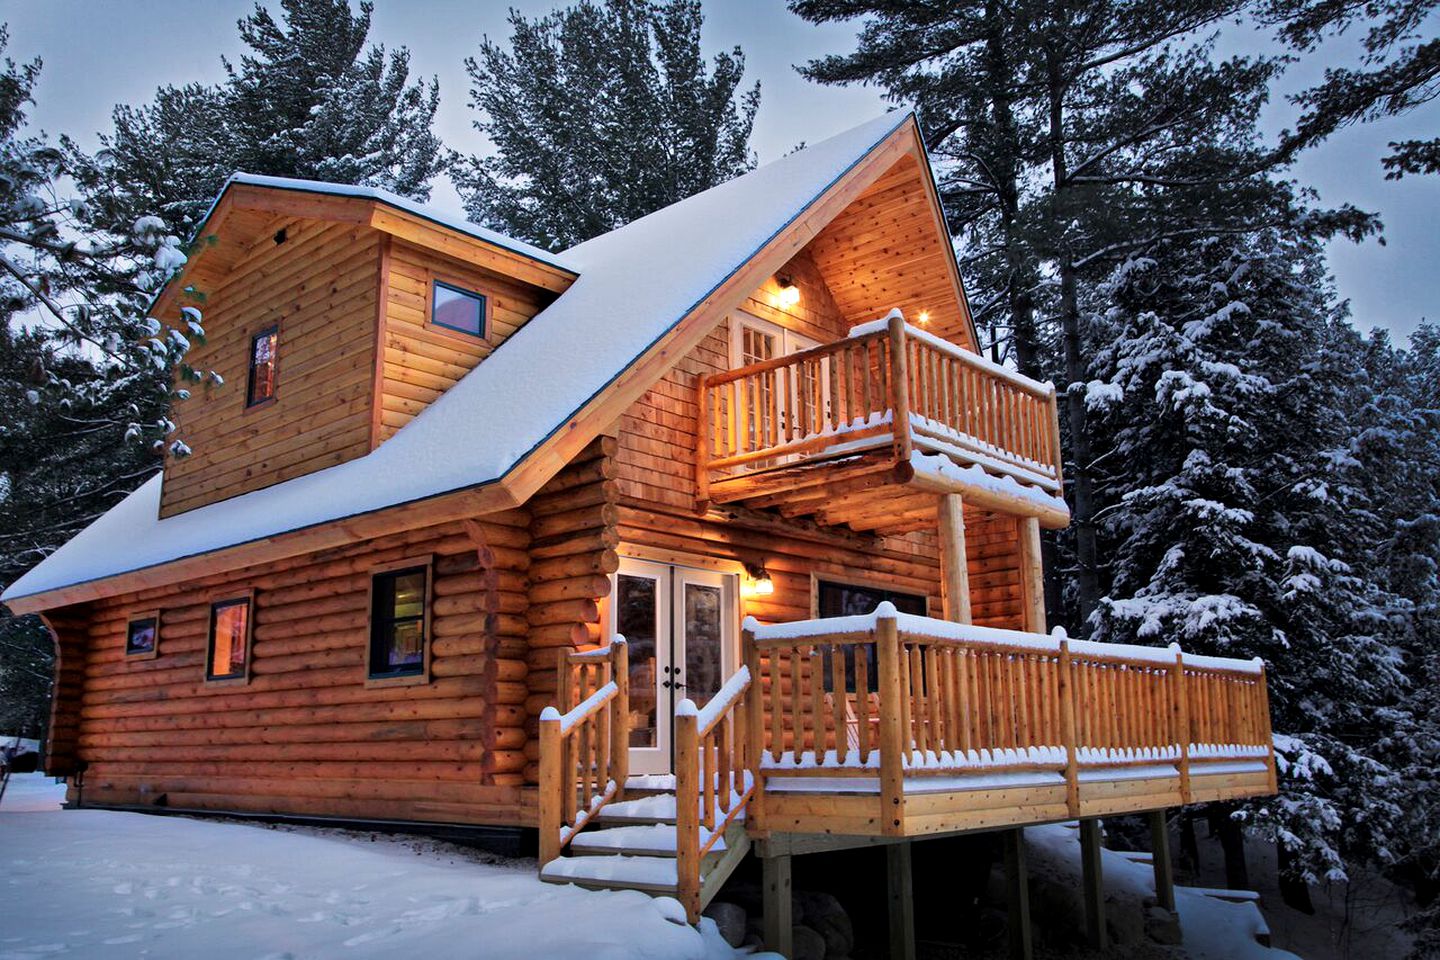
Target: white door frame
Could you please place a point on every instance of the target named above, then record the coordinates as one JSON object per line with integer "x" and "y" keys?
{"x": 669, "y": 656}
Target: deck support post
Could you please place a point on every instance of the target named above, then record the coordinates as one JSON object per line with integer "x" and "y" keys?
{"x": 1093, "y": 882}
{"x": 1032, "y": 575}
{"x": 1160, "y": 859}
{"x": 955, "y": 570}
{"x": 1017, "y": 884}
{"x": 775, "y": 893}
{"x": 901, "y": 890}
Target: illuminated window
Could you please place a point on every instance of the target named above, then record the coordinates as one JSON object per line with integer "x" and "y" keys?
{"x": 262, "y": 366}
{"x": 398, "y": 621}
{"x": 458, "y": 309}
{"x": 228, "y": 657}
{"x": 142, "y": 637}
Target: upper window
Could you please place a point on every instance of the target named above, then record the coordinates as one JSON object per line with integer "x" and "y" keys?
{"x": 142, "y": 637}
{"x": 458, "y": 309}
{"x": 262, "y": 366}
{"x": 228, "y": 657}
{"x": 399, "y": 600}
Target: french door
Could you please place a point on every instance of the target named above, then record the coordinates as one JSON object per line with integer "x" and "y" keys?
{"x": 680, "y": 624}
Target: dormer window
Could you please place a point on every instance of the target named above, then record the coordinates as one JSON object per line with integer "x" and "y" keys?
{"x": 262, "y": 366}
{"x": 457, "y": 309}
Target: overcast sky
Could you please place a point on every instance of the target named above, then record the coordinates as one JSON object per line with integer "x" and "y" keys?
{"x": 100, "y": 54}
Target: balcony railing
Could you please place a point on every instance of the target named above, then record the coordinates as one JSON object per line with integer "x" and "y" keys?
{"x": 848, "y": 397}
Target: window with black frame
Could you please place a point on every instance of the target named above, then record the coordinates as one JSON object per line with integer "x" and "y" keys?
{"x": 456, "y": 308}
{"x": 848, "y": 600}
{"x": 398, "y": 622}
{"x": 264, "y": 353}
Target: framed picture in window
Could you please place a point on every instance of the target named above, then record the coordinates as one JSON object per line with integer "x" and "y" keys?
{"x": 142, "y": 636}
{"x": 398, "y": 649}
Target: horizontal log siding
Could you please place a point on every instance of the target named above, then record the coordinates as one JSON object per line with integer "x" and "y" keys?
{"x": 422, "y": 361}
{"x": 321, "y": 287}
{"x": 306, "y": 735}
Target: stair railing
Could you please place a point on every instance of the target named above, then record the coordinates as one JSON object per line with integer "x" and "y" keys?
{"x": 714, "y": 779}
{"x": 584, "y": 751}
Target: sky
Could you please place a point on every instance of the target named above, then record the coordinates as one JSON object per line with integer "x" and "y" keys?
{"x": 100, "y": 54}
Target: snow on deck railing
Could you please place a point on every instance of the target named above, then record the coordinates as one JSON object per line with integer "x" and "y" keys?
{"x": 918, "y": 626}
{"x": 954, "y": 350}
{"x": 581, "y": 710}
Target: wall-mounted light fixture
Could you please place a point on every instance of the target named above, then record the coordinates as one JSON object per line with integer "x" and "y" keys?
{"x": 924, "y": 318}
{"x": 789, "y": 294}
{"x": 760, "y": 583}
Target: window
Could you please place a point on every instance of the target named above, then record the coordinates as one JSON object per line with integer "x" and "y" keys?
{"x": 458, "y": 309}
{"x": 399, "y": 621}
{"x": 142, "y": 637}
{"x": 262, "y": 366}
{"x": 848, "y": 599}
{"x": 228, "y": 657}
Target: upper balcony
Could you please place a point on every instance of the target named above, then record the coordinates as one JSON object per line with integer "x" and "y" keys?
{"x": 865, "y": 431}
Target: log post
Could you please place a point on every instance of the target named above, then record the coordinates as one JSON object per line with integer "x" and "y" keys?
{"x": 1160, "y": 859}
{"x": 900, "y": 890}
{"x": 754, "y": 730}
{"x": 1182, "y": 721}
{"x": 1067, "y": 726}
{"x": 899, "y": 389}
{"x": 779, "y": 923}
{"x": 552, "y": 785}
{"x": 620, "y": 724}
{"x": 1093, "y": 881}
{"x": 687, "y": 807}
{"x": 892, "y": 702}
{"x": 1017, "y": 885}
{"x": 955, "y": 579}
{"x": 1265, "y": 727}
{"x": 1032, "y": 575}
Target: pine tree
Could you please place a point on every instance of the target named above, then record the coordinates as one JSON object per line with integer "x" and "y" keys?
{"x": 601, "y": 114}
{"x": 309, "y": 100}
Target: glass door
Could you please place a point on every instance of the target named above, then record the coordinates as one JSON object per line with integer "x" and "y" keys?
{"x": 680, "y": 623}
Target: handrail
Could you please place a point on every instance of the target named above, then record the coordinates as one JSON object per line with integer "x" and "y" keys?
{"x": 584, "y": 750}
{"x": 886, "y": 384}
{"x": 903, "y": 695}
{"x": 714, "y": 778}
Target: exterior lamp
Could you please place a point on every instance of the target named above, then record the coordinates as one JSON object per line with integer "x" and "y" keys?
{"x": 789, "y": 294}
{"x": 760, "y": 583}
{"x": 924, "y": 318}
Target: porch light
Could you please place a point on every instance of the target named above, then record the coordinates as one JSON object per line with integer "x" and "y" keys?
{"x": 924, "y": 318}
{"x": 789, "y": 294}
{"x": 760, "y": 583}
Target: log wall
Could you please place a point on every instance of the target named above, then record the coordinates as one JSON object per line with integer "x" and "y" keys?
{"x": 321, "y": 287}
{"x": 307, "y": 735}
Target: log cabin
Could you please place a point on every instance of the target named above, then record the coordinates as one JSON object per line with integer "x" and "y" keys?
{"x": 712, "y": 535}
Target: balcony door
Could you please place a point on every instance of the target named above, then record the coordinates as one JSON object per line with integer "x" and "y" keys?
{"x": 681, "y": 624}
{"x": 753, "y": 340}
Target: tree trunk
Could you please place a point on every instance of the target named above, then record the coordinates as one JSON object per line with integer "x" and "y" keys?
{"x": 1294, "y": 891}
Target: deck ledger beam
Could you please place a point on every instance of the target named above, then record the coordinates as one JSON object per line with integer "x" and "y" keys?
{"x": 775, "y": 892}
{"x": 1160, "y": 859}
{"x": 1017, "y": 886}
{"x": 1093, "y": 882}
{"x": 955, "y": 570}
{"x": 900, "y": 889}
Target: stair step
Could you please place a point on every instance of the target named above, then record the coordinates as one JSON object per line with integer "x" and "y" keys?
{"x": 650, "y": 840}
{"x": 656, "y": 809}
{"x": 650, "y": 874}
{"x": 651, "y": 782}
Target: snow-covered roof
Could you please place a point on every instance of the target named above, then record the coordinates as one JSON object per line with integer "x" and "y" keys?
{"x": 635, "y": 284}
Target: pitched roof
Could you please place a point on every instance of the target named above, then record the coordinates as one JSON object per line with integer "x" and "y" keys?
{"x": 635, "y": 285}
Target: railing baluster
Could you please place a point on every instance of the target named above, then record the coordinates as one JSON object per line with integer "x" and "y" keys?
{"x": 907, "y": 690}
{"x": 862, "y": 700}
{"x": 837, "y": 701}
{"x": 817, "y": 703}
{"x": 797, "y": 734}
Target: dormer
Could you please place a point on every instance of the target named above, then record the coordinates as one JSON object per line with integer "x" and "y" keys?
{"x": 334, "y": 315}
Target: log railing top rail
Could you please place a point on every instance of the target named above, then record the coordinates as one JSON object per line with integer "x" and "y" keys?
{"x": 888, "y": 385}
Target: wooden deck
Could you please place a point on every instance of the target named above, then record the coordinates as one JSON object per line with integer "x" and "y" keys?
{"x": 882, "y": 727}
{"x": 865, "y": 431}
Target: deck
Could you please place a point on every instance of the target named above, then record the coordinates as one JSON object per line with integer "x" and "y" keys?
{"x": 865, "y": 431}
{"x": 886, "y": 726}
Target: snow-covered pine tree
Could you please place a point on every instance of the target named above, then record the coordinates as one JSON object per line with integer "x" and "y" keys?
{"x": 600, "y": 114}
{"x": 1237, "y": 519}
{"x": 309, "y": 100}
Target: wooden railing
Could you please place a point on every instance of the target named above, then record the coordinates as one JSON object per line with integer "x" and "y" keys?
{"x": 899, "y": 695}
{"x": 584, "y": 744}
{"x": 714, "y": 779}
{"x": 886, "y": 385}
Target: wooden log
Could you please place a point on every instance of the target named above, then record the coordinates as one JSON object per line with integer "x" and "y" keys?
{"x": 777, "y": 905}
{"x": 1093, "y": 883}
{"x": 955, "y": 579}
{"x": 900, "y": 894}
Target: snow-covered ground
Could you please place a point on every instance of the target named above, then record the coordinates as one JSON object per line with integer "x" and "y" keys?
{"x": 92, "y": 883}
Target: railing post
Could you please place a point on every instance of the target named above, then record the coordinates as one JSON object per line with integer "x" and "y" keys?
{"x": 892, "y": 750}
{"x": 1182, "y": 721}
{"x": 899, "y": 389}
{"x": 620, "y": 725}
{"x": 703, "y": 428}
{"x": 1067, "y": 725}
{"x": 687, "y": 807}
{"x": 1265, "y": 725}
{"x": 1055, "y": 451}
{"x": 754, "y": 728}
{"x": 552, "y": 784}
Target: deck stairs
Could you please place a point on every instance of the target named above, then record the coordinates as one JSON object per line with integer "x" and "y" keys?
{"x": 631, "y": 846}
